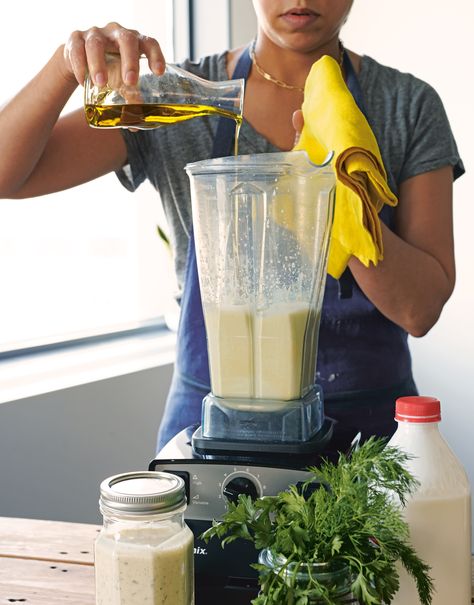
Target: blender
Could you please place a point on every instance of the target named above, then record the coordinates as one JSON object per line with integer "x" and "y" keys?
{"x": 262, "y": 226}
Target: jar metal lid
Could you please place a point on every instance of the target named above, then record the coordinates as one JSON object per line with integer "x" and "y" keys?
{"x": 143, "y": 492}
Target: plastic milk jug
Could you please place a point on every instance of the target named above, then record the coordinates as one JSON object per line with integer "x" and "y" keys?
{"x": 439, "y": 512}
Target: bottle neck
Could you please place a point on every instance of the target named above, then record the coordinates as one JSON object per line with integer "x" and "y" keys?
{"x": 425, "y": 427}
{"x": 416, "y": 435}
{"x": 421, "y": 439}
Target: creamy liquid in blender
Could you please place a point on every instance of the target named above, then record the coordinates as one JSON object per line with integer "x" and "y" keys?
{"x": 129, "y": 571}
{"x": 262, "y": 355}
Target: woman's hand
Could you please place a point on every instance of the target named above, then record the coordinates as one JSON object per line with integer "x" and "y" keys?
{"x": 416, "y": 278}
{"x": 43, "y": 151}
{"x": 85, "y": 52}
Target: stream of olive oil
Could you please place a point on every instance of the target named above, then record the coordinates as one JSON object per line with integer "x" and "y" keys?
{"x": 145, "y": 116}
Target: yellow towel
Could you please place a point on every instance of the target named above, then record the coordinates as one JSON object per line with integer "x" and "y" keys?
{"x": 333, "y": 122}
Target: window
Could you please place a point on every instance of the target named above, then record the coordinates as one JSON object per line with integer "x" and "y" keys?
{"x": 88, "y": 260}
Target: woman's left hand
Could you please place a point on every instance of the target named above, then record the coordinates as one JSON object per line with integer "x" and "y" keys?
{"x": 417, "y": 276}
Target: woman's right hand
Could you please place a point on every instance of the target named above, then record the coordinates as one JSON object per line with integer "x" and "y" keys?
{"x": 43, "y": 151}
{"x": 85, "y": 52}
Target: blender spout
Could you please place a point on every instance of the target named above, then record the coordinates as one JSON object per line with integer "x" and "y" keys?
{"x": 327, "y": 160}
{"x": 301, "y": 156}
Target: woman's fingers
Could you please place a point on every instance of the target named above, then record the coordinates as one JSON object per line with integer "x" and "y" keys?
{"x": 152, "y": 50}
{"x": 127, "y": 41}
{"x": 298, "y": 123}
{"x": 75, "y": 56}
{"x": 85, "y": 51}
{"x": 95, "y": 45}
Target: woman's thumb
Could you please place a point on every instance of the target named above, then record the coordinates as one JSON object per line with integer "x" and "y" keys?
{"x": 298, "y": 123}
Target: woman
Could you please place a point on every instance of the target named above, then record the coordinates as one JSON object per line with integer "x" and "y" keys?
{"x": 363, "y": 360}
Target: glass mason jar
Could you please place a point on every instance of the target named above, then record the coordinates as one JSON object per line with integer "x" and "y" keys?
{"x": 337, "y": 577}
{"x": 144, "y": 552}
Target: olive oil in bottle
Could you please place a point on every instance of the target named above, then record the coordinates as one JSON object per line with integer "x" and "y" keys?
{"x": 152, "y": 115}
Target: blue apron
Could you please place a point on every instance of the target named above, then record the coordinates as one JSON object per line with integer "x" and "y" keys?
{"x": 348, "y": 319}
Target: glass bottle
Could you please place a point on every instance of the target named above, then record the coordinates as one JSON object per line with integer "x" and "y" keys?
{"x": 173, "y": 97}
{"x": 144, "y": 552}
{"x": 439, "y": 512}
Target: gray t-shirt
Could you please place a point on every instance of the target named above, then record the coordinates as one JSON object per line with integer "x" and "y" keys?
{"x": 406, "y": 116}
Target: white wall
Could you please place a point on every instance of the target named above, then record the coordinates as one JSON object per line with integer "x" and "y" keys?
{"x": 232, "y": 23}
{"x": 243, "y": 22}
{"x": 433, "y": 40}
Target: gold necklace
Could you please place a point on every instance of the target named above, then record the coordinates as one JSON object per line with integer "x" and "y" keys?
{"x": 280, "y": 83}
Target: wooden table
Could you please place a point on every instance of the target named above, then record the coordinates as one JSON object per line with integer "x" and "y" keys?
{"x": 48, "y": 562}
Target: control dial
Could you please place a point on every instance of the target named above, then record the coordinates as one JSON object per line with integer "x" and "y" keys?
{"x": 240, "y": 485}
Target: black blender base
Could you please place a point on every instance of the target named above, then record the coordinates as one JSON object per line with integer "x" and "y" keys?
{"x": 225, "y": 447}
{"x": 225, "y": 575}
{"x": 236, "y": 592}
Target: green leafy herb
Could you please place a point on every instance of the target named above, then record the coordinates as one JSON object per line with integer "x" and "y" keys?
{"x": 347, "y": 514}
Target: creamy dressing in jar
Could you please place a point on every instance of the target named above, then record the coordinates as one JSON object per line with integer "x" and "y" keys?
{"x": 144, "y": 553}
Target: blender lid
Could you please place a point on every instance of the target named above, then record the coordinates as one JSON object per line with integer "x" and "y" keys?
{"x": 278, "y": 163}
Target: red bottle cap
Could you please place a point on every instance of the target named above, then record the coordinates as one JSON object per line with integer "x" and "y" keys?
{"x": 417, "y": 409}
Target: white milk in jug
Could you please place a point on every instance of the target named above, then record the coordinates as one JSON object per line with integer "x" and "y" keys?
{"x": 439, "y": 512}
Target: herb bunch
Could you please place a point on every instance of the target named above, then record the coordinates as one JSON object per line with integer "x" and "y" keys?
{"x": 348, "y": 514}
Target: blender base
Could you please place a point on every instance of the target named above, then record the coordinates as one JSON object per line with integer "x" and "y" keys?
{"x": 204, "y": 446}
{"x": 226, "y": 575}
{"x": 264, "y": 421}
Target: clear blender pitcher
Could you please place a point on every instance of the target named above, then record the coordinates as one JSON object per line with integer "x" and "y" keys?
{"x": 173, "y": 97}
{"x": 262, "y": 225}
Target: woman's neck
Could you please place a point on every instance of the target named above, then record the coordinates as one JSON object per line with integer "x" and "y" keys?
{"x": 290, "y": 65}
